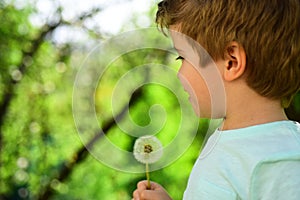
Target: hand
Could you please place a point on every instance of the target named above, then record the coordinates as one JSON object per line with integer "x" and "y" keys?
{"x": 157, "y": 192}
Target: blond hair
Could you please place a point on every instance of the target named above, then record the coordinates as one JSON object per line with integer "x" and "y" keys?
{"x": 268, "y": 30}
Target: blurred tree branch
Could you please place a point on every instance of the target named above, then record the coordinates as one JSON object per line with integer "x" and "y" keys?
{"x": 11, "y": 85}
{"x": 81, "y": 154}
{"x": 44, "y": 34}
{"x": 9, "y": 92}
{"x": 46, "y": 30}
{"x": 64, "y": 168}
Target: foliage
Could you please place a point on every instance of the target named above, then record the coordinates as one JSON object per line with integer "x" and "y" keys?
{"x": 42, "y": 156}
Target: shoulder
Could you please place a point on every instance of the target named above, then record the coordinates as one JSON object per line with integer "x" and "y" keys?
{"x": 252, "y": 157}
{"x": 269, "y": 139}
{"x": 234, "y": 162}
{"x": 265, "y": 145}
{"x": 209, "y": 190}
{"x": 277, "y": 177}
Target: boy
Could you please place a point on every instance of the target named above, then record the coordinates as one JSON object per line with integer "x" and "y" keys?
{"x": 255, "y": 46}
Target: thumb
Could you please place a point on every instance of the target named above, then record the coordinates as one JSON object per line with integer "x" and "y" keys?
{"x": 155, "y": 195}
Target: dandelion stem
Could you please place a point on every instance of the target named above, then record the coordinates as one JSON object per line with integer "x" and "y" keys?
{"x": 148, "y": 176}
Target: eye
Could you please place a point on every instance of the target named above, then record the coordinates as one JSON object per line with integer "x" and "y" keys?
{"x": 179, "y": 58}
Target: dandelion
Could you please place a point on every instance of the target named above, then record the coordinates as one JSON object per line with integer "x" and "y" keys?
{"x": 147, "y": 150}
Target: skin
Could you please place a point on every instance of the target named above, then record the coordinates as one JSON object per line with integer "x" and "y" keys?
{"x": 157, "y": 192}
{"x": 243, "y": 106}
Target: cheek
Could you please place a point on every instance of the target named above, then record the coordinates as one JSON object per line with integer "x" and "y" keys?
{"x": 191, "y": 78}
{"x": 206, "y": 93}
{"x": 197, "y": 89}
{"x": 192, "y": 82}
{"x": 185, "y": 76}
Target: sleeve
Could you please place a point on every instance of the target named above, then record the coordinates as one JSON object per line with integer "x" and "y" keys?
{"x": 209, "y": 191}
{"x": 276, "y": 178}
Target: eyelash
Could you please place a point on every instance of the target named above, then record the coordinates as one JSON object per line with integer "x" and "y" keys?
{"x": 179, "y": 58}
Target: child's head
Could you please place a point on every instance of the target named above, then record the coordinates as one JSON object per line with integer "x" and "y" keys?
{"x": 268, "y": 30}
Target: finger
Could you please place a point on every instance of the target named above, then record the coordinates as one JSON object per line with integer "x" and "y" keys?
{"x": 143, "y": 185}
{"x": 136, "y": 195}
{"x": 152, "y": 195}
{"x": 155, "y": 186}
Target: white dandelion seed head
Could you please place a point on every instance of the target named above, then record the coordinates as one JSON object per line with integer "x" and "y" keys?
{"x": 147, "y": 149}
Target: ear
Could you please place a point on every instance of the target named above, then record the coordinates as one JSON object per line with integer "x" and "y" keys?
{"x": 235, "y": 61}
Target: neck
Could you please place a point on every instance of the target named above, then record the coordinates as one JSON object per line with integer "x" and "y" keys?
{"x": 248, "y": 111}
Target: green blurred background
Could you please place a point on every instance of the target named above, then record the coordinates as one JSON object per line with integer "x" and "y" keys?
{"x": 41, "y": 154}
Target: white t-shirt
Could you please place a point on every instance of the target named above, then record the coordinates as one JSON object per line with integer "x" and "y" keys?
{"x": 260, "y": 162}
